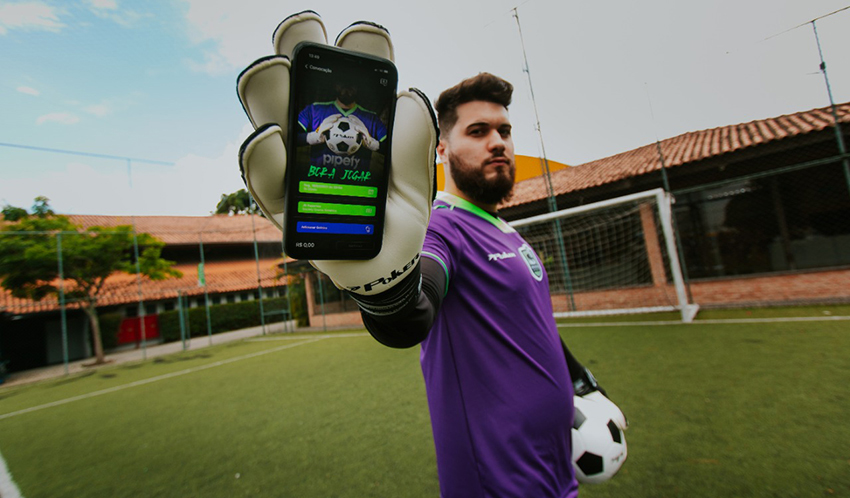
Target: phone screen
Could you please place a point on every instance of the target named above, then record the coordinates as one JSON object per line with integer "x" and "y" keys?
{"x": 341, "y": 114}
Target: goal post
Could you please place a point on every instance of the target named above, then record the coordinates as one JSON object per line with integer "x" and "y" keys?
{"x": 613, "y": 257}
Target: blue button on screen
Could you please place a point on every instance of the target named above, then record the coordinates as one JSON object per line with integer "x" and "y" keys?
{"x": 334, "y": 228}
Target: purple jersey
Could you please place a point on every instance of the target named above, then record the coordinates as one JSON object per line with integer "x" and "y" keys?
{"x": 499, "y": 391}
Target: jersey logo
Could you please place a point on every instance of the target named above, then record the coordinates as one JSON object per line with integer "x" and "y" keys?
{"x": 532, "y": 262}
{"x": 500, "y": 255}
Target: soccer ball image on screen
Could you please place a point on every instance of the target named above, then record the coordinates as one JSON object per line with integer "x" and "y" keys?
{"x": 342, "y": 138}
{"x": 599, "y": 445}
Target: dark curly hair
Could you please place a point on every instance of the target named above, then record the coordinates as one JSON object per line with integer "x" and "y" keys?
{"x": 484, "y": 86}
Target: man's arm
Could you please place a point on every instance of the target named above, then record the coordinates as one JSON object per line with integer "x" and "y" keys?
{"x": 402, "y": 322}
{"x": 583, "y": 381}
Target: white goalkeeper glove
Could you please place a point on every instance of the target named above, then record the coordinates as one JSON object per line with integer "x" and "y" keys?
{"x": 365, "y": 137}
{"x": 321, "y": 133}
{"x": 264, "y": 92}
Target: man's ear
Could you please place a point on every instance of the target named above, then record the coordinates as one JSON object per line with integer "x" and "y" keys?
{"x": 441, "y": 151}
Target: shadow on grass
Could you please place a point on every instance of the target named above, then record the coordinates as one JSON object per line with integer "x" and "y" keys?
{"x": 181, "y": 358}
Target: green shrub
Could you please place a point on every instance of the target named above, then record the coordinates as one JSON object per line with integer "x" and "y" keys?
{"x": 299, "y": 301}
{"x": 223, "y": 318}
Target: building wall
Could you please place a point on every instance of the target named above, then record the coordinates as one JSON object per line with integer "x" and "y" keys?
{"x": 330, "y": 319}
{"x": 798, "y": 288}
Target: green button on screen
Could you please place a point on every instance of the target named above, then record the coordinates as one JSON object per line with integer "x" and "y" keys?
{"x": 340, "y": 209}
{"x": 337, "y": 189}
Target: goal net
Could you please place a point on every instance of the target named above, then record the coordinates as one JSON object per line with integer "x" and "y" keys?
{"x": 617, "y": 256}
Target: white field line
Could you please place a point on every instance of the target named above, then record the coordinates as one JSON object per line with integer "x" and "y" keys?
{"x": 155, "y": 379}
{"x": 327, "y": 336}
{"x": 711, "y": 322}
{"x": 8, "y": 488}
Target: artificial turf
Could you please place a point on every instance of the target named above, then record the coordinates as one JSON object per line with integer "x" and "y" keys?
{"x": 743, "y": 409}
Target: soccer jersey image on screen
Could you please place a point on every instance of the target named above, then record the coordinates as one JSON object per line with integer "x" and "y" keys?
{"x": 311, "y": 118}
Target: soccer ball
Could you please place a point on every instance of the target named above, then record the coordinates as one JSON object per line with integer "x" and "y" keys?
{"x": 342, "y": 138}
{"x": 599, "y": 445}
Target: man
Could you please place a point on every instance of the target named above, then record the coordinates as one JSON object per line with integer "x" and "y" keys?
{"x": 451, "y": 276}
{"x": 498, "y": 387}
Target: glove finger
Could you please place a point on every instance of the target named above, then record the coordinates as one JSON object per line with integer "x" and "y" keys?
{"x": 262, "y": 159}
{"x": 368, "y": 38}
{"x": 263, "y": 89}
{"x": 304, "y": 26}
{"x": 413, "y": 175}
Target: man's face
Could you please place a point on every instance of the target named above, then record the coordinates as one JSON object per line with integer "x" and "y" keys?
{"x": 347, "y": 94}
{"x": 479, "y": 150}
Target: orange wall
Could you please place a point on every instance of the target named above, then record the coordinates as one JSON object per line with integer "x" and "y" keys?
{"x": 526, "y": 167}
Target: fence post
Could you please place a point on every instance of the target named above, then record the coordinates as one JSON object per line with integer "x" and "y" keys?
{"x": 65, "y": 358}
{"x": 838, "y": 136}
{"x": 141, "y": 306}
{"x": 182, "y": 322}
{"x": 203, "y": 281}
{"x": 322, "y": 300}
{"x": 259, "y": 279}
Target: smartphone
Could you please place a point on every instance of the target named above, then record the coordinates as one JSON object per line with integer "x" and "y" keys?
{"x": 340, "y": 129}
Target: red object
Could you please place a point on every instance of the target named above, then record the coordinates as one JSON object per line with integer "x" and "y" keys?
{"x": 131, "y": 329}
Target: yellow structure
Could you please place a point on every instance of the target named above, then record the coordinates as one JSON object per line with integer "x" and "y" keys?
{"x": 526, "y": 167}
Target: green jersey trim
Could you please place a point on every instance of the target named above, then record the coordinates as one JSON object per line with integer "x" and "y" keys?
{"x": 464, "y": 204}
{"x": 443, "y": 264}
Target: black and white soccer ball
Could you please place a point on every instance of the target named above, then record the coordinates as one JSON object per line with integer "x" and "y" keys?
{"x": 342, "y": 138}
{"x": 599, "y": 444}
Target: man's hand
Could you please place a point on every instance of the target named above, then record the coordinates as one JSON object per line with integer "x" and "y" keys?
{"x": 264, "y": 92}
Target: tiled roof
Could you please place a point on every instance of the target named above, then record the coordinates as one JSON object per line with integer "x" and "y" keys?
{"x": 176, "y": 230}
{"x": 680, "y": 150}
{"x": 122, "y": 288}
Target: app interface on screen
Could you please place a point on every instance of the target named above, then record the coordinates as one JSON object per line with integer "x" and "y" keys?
{"x": 342, "y": 139}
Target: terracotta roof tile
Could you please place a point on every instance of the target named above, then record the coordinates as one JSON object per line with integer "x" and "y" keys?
{"x": 122, "y": 288}
{"x": 677, "y": 151}
{"x": 176, "y": 230}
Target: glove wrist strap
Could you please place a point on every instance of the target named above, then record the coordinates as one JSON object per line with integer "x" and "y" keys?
{"x": 393, "y": 301}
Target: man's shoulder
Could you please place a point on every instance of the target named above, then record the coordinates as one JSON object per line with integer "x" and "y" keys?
{"x": 443, "y": 216}
{"x": 362, "y": 110}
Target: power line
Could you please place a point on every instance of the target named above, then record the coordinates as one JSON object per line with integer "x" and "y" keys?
{"x": 85, "y": 154}
{"x": 807, "y": 22}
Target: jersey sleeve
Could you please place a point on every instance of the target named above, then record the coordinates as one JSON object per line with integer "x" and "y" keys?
{"x": 305, "y": 118}
{"x": 410, "y": 325}
{"x": 441, "y": 242}
{"x": 380, "y": 131}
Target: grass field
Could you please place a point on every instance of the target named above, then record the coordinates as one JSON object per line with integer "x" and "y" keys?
{"x": 733, "y": 410}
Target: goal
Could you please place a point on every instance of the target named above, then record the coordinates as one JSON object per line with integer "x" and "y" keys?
{"x": 613, "y": 257}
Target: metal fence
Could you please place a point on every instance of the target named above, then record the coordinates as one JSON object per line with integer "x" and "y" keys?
{"x": 221, "y": 279}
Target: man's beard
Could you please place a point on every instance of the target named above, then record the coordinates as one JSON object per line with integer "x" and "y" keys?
{"x": 471, "y": 181}
{"x": 347, "y": 96}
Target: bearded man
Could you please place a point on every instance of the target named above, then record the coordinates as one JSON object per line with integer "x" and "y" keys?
{"x": 499, "y": 389}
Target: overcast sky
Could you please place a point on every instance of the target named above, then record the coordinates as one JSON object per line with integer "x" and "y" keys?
{"x": 156, "y": 80}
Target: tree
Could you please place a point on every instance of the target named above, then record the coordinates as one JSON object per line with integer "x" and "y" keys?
{"x": 238, "y": 202}
{"x": 29, "y": 262}
{"x": 41, "y": 208}
{"x": 12, "y": 213}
